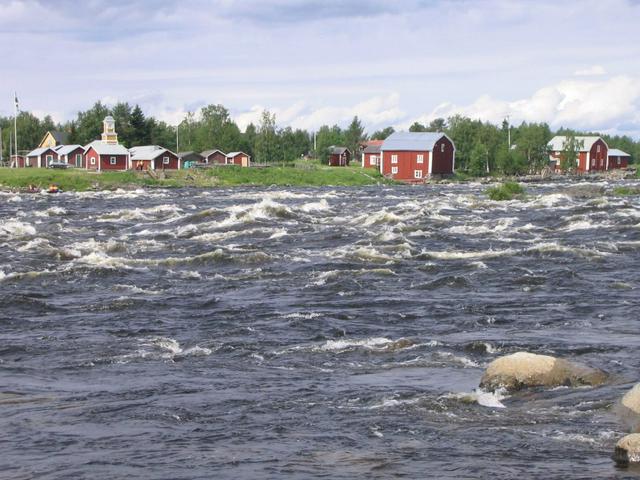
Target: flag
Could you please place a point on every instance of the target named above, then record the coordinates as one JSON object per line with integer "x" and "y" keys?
{"x": 15, "y": 97}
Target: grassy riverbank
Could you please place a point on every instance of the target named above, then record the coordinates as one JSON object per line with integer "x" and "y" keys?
{"x": 80, "y": 180}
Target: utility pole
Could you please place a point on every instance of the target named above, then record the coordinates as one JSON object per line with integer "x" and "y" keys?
{"x": 177, "y": 139}
{"x": 15, "y": 127}
{"x": 1, "y": 147}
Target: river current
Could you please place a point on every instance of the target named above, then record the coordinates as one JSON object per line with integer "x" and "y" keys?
{"x": 311, "y": 332}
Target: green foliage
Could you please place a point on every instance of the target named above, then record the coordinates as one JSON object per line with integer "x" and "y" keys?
{"x": 506, "y": 191}
{"x": 266, "y": 147}
{"x": 325, "y": 138}
{"x": 382, "y": 134}
{"x": 569, "y": 154}
{"x": 478, "y": 160}
{"x": 354, "y": 135}
{"x": 625, "y": 191}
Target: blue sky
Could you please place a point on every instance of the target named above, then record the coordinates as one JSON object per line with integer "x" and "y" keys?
{"x": 312, "y": 62}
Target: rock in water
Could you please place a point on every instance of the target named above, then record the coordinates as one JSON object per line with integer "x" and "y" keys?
{"x": 627, "y": 450}
{"x": 522, "y": 370}
{"x": 629, "y": 409}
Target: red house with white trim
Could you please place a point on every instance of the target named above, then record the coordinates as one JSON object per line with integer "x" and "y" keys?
{"x": 215, "y": 156}
{"x": 153, "y": 157}
{"x": 618, "y": 159}
{"x": 592, "y": 153}
{"x": 106, "y": 156}
{"x": 72, "y": 155}
{"x": 414, "y": 156}
{"x": 41, "y": 157}
{"x": 371, "y": 153}
{"x": 239, "y": 158}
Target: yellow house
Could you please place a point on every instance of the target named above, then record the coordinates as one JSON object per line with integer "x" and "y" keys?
{"x": 53, "y": 139}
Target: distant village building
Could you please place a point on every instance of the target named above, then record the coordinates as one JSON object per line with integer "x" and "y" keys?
{"x": 153, "y": 157}
{"x": 238, "y": 158}
{"x": 107, "y": 154}
{"x": 190, "y": 159}
{"x": 371, "y": 153}
{"x": 618, "y": 159}
{"x": 339, "y": 156}
{"x": 53, "y": 139}
{"x": 41, "y": 157}
{"x": 413, "y": 156}
{"x": 72, "y": 155}
{"x": 592, "y": 153}
{"x": 214, "y": 156}
{"x": 17, "y": 161}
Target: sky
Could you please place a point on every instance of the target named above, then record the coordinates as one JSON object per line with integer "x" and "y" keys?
{"x": 572, "y": 63}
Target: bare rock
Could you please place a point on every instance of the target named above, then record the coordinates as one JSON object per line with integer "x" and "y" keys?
{"x": 628, "y": 410}
{"x": 627, "y": 450}
{"x": 521, "y": 370}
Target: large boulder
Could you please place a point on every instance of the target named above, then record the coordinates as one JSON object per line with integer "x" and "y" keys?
{"x": 522, "y": 370}
{"x": 629, "y": 409}
{"x": 627, "y": 450}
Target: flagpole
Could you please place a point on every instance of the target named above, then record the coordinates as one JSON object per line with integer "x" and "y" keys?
{"x": 15, "y": 126}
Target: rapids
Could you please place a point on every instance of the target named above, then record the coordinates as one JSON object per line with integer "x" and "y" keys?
{"x": 311, "y": 332}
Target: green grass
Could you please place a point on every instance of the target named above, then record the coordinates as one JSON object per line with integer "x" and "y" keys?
{"x": 310, "y": 174}
{"x": 625, "y": 191}
{"x": 506, "y": 191}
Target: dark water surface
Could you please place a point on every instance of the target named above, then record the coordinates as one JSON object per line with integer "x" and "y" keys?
{"x": 298, "y": 333}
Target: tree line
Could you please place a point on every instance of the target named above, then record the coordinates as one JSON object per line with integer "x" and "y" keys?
{"x": 482, "y": 148}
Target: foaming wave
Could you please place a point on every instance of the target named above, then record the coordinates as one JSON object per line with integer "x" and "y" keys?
{"x": 131, "y": 214}
{"x": 321, "y": 278}
{"x": 163, "y": 348}
{"x": 375, "y": 344}
{"x": 16, "y": 230}
{"x": 481, "y": 397}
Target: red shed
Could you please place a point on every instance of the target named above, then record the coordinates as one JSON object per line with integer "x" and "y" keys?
{"x": 239, "y": 158}
{"x": 339, "y": 156}
{"x": 72, "y": 155}
{"x": 17, "y": 161}
{"x": 153, "y": 157}
{"x": 413, "y": 156}
{"x": 618, "y": 159}
{"x": 371, "y": 153}
{"x": 100, "y": 156}
{"x": 41, "y": 157}
{"x": 592, "y": 153}
{"x": 214, "y": 156}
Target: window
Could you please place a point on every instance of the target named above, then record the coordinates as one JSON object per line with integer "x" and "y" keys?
{"x": 394, "y": 170}
{"x": 49, "y": 159}
{"x": 112, "y": 160}
{"x": 78, "y": 159}
{"x": 420, "y": 159}
{"x": 618, "y": 160}
{"x": 598, "y": 149}
{"x": 373, "y": 160}
{"x": 93, "y": 160}
{"x": 394, "y": 158}
{"x": 442, "y": 147}
{"x": 417, "y": 174}
{"x": 165, "y": 160}
{"x": 593, "y": 162}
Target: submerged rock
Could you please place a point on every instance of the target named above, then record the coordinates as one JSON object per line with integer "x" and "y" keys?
{"x": 627, "y": 450}
{"x": 629, "y": 409}
{"x": 521, "y": 370}
{"x": 585, "y": 191}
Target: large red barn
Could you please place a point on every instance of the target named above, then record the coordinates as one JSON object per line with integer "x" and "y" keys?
{"x": 592, "y": 153}
{"x": 414, "y": 156}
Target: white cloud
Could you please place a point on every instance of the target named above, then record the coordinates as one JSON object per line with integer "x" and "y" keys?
{"x": 591, "y": 71}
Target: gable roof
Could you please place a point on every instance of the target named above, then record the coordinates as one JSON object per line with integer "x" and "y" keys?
{"x": 557, "y": 143}
{"x": 103, "y": 148}
{"x": 39, "y": 151}
{"x": 147, "y": 152}
{"x": 614, "y": 152}
{"x": 66, "y": 149}
{"x": 189, "y": 154}
{"x": 373, "y": 148}
{"x": 208, "y": 153}
{"x": 333, "y": 150}
{"x": 235, "y": 154}
{"x": 412, "y": 141}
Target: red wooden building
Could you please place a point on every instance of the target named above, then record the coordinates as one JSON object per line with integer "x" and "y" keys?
{"x": 618, "y": 159}
{"x": 153, "y": 157}
{"x": 371, "y": 153}
{"x": 238, "y": 158}
{"x": 214, "y": 156}
{"x": 41, "y": 157}
{"x": 592, "y": 153}
{"x": 100, "y": 156}
{"x": 339, "y": 156}
{"x": 413, "y": 156}
{"x": 17, "y": 161}
{"x": 72, "y": 155}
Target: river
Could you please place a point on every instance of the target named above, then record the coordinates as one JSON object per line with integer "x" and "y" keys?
{"x": 311, "y": 332}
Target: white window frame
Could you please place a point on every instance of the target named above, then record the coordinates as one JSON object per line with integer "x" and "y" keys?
{"x": 373, "y": 160}
{"x": 598, "y": 148}
{"x": 420, "y": 158}
{"x": 394, "y": 170}
{"x": 394, "y": 158}
{"x": 93, "y": 160}
{"x": 49, "y": 159}
{"x": 417, "y": 174}
{"x": 618, "y": 162}
{"x": 442, "y": 148}
{"x": 78, "y": 159}
{"x": 165, "y": 160}
{"x": 113, "y": 161}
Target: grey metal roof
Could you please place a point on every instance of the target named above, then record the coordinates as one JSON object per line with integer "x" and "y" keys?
{"x": 103, "y": 148}
{"x": 38, "y": 151}
{"x": 188, "y": 154}
{"x": 233, "y": 154}
{"x": 372, "y": 149}
{"x": 147, "y": 152}
{"x": 207, "y": 153}
{"x": 557, "y": 143}
{"x": 66, "y": 149}
{"x": 614, "y": 152}
{"x": 333, "y": 150}
{"x": 412, "y": 141}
